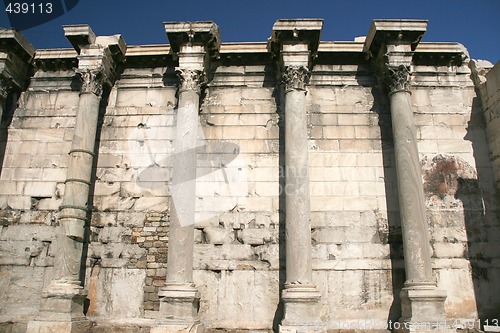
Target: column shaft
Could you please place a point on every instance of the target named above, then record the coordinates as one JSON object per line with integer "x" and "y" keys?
{"x": 196, "y": 44}
{"x": 179, "y": 298}
{"x": 181, "y": 238}
{"x": 300, "y": 296}
{"x": 76, "y": 194}
{"x": 298, "y": 225}
{"x": 421, "y": 301}
{"x": 411, "y": 193}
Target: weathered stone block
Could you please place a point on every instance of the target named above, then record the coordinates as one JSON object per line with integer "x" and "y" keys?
{"x": 28, "y": 233}
{"x": 116, "y": 293}
{"x": 256, "y": 236}
{"x": 219, "y": 235}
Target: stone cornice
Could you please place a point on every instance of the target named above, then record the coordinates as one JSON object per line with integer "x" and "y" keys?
{"x": 296, "y": 31}
{"x": 386, "y": 32}
{"x": 16, "y": 55}
{"x": 97, "y": 57}
{"x": 79, "y": 35}
{"x": 391, "y": 45}
{"x": 426, "y": 53}
{"x": 193, "y": 33}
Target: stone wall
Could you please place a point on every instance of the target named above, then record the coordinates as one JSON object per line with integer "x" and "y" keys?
{"x": 239, "y": 250}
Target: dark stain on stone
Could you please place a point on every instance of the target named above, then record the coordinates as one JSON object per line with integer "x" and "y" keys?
{"x": 449, "y": 175}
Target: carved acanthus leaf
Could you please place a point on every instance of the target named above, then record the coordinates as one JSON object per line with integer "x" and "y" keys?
{"x": 397, "y": 78}
{"x": 92, "y": 80}
{"x": 191, "y": 79}
{"x": 295, "y": 77}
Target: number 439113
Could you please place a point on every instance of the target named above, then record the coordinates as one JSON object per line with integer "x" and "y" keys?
{"x": 28, "y": 8}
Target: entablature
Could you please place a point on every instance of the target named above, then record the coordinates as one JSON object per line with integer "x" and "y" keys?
{"x": 347, "y": 52}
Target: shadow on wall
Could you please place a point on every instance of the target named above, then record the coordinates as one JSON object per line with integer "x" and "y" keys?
{"x": 279, "y": 97}
{"x": 394, "y": 237}
{"x": 10, "y": 106}
{"x": 481, "y": 209}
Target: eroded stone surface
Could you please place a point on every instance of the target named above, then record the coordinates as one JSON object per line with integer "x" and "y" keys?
{"x": 239, "y": 249}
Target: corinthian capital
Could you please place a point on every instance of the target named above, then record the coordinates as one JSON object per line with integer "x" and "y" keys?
{"x": 92, "y": 80}
{"x": 5, "y": 87}
{"x": 397, "y": 78}
{"x": 295, "y": 77}
{"x": 191, "y": 79}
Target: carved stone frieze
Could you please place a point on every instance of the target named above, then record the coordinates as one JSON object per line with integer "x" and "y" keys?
{"x": 397, "y": 78}
{"x": 191, "y": 79}
{"x": 295, "y": 77}
{"x": 92, "y": 80}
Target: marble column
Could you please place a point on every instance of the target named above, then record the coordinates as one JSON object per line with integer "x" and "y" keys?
{"x": 294, "y": 42}
{"x": 179, "y": 297}
{"x": 421, "y": 301}
{"x": 300, "y": 296}
{"x": 392, "y": 44}
{"x": 298, "y": 245}
{"x": 62, "y": 301}
{"x": 194, "y": 44}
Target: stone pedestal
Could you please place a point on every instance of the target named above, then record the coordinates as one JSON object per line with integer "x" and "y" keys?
{"x": 421, "y": 303}
{"x": 422, "y": 309}
{"x": 179, "y": 308}
{"x": 61, "y": 310}
{"x": 183, "y": 302}
{"x": 174, "y": 327}
{"x": 302, "y": 309}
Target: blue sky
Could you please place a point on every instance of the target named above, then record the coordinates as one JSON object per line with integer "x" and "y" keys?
{"x": 474, "y": 23}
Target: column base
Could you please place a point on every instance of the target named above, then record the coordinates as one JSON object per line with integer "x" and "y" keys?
{"x": 59, "y": 327}
{"x": 179, "y": 306}
{"x": 302, "y": 308}
{"x": 61, "y": 310}
{"x": 178, "y": 328}
{"x": 423, "y": 327}
{"x": 422, "y": 309}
